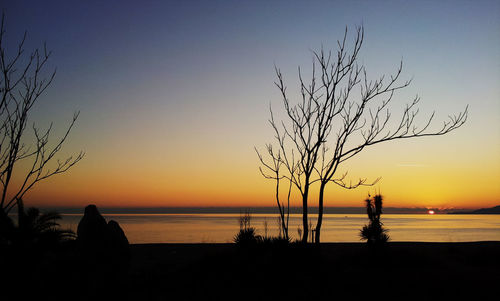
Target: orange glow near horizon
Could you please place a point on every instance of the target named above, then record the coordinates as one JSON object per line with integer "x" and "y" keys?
{"x": 223, "y": 185}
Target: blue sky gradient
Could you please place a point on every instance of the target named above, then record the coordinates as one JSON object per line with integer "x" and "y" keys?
{"x": 182, "y": 88}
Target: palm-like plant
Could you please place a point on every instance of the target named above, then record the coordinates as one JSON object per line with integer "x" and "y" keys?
{"x": 374, "y": 233}
{"x": 35, "y": 227}
{"x": 43, "y": 227}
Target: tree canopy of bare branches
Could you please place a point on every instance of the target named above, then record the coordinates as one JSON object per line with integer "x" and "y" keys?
{"x": 23, "y": 80}
{"x": 332, "y": 123}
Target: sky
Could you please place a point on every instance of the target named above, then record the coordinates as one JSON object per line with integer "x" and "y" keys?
{"x": 174, "y": 96}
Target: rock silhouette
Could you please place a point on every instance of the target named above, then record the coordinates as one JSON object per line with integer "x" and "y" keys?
{"x": 94, "y": 234}
{"x": 103, "y": 251}
{"x": 116, "y": 235}
{"x": 118, "y": 242}
{"x": 92, "y": 229}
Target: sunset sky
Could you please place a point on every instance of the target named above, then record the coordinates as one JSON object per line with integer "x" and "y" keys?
{"x": 174, "y": 95}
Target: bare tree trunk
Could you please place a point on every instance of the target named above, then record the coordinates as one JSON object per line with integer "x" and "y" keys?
{"x": 304, "y": 214}
{"x": 320, "y": 212}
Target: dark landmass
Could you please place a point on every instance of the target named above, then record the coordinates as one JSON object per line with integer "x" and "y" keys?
{"x": 492, "y": 210}
{"x": 401, "y": 270}
{"x": 237, "y": 210}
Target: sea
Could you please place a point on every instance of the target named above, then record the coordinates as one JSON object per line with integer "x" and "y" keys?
{"x": 222, "y": 227}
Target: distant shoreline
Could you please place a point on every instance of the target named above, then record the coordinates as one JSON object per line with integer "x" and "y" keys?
{"x": 252, "y": 210}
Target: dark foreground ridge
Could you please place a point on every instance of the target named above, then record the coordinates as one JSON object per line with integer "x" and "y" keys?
{"x": 295, "y": 272}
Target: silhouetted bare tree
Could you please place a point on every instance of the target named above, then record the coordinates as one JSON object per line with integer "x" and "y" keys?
{"x": 273, "y": 173}
{"x": 298, "y": 144}
{"x": 23, "y": 80}
{"x": 329, "y": 125}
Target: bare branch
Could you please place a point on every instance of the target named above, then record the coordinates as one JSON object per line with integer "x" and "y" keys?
{"x": 328, "y": 105}
{"x": 23, "y": 80}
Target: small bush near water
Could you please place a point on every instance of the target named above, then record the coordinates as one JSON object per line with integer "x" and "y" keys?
{"x": 247, "y": 235}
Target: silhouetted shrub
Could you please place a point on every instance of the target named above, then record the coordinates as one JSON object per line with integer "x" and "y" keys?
{"x": 267, "y": 240}
{"x": 33, "y": 229}
{"x": 374, "y": 233}
{"x": 41, "y": 227}
{"x": 280, "y": 241}
{"x": 247, "y": 237}
{"x": 247, "y": 234}
{"x": 299, "y": 232}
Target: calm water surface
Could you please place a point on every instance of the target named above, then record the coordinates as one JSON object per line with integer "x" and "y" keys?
{"x": 192, "y": 228}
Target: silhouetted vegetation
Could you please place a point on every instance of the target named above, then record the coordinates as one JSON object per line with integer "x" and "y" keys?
{"x": 23, "y": 79}
{"x": 38, "y": 254}
{"x": 274, "y": 169}
{"x": 34, "y": 229}
{"x": 329, "y": 125}
{"x": 374, "y": 233}
{"x": 27, "y": 246}
{"x": 29, "y": 158}
{"x": 247, "y": 236}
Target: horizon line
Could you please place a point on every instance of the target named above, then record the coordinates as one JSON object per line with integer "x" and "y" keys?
{"x": 251, "y": 209}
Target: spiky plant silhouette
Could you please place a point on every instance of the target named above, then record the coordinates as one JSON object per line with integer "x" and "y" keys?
{"x": 374, "y": 233}
{"x": 247, "y": 234}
